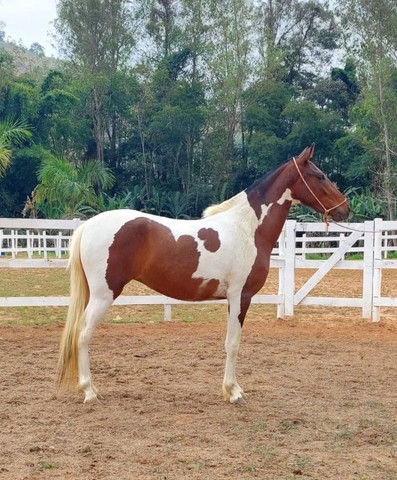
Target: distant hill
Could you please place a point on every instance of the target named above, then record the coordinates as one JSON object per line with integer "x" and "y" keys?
{"x": 30, "y": 61}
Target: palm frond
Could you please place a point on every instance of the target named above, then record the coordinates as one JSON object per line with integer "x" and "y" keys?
{"x": 5, "y": 157}
{"x": 95, "y": 174}
{"x": 14, "y": 132}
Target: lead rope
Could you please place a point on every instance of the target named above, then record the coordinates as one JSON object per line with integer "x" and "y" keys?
{"x": 326, "y": 210}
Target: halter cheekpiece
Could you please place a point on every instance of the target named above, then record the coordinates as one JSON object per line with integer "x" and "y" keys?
{"x": 326, "y": 210}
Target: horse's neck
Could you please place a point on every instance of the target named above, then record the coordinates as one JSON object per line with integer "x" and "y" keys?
{"x": 271, "y": 200}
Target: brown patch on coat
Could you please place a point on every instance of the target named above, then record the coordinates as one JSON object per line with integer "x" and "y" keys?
{"x": 266, "y": 236}
{"x": 210, "y": 238}
{"x": 146, "y": 250}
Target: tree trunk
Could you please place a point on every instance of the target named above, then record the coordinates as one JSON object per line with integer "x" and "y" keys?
{"x": 387, "y": 181}
{"x": 98, "y": 126}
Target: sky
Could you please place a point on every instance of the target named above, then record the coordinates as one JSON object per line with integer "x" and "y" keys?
{"x": 29, "y": 21}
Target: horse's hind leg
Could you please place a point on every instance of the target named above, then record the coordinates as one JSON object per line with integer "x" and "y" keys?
{"x": 95, "y": 311}
{"x": 232, "y": 391}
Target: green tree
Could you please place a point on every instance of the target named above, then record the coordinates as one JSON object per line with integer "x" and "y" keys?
{"x": 230, "y": 68}
{"x": 37, "y": 49}
{"x": 169, "y": 120}
{"x": 67, "y": 191}
{"x": 295, "y": 38}
{"x": 266, "y": 124}
{"x": 98, "y": 37}
{"x": 372, "y": 25}
{"x": 162, "y": 26}
{"x": 7, "y": 73}
{"x": 11, "y": 133}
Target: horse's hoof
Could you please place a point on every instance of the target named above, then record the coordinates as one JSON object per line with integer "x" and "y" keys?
{"x": 241, "y": 401}
{"x": 91, "y": 398}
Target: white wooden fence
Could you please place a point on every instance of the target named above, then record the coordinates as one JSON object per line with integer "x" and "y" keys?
{"x": 28, "y": 243}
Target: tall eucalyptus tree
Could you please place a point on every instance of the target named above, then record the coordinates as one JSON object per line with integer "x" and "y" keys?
{"x": 372, "y": 37}
{"x": 98, "y": 37}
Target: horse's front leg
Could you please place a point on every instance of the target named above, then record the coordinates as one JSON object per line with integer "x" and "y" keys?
{"x": 232, "y": 391}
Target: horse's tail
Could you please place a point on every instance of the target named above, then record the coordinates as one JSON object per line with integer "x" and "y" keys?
{"x": 79, "y": 296}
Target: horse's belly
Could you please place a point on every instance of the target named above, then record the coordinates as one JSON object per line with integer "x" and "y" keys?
{"x": 188, "y": 289}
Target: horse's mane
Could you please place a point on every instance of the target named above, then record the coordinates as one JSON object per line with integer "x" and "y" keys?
{"x": 231, "y": 202}
{"x": 221, "y": 207}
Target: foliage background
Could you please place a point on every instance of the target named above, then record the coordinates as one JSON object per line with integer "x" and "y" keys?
{"x": 170, "y": 105}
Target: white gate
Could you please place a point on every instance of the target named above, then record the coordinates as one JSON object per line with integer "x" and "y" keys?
{"x": 372, "y": 239}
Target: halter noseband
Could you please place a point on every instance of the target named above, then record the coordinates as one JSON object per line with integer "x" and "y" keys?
{"x": 326, "y": 210}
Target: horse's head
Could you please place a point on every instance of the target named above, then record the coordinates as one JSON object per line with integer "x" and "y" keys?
{"x": 313, "y": 188}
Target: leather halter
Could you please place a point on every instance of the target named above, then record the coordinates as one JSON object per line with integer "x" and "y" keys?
{"x": 326, "y": 210}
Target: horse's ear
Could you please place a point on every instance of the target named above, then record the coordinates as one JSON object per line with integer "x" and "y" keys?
{"x": 307, "y": 154}
{"x": 311, "y": 149}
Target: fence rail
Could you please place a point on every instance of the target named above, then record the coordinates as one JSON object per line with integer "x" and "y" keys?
{"x": 367, "y": 246}
{"x": 36, "y": 237}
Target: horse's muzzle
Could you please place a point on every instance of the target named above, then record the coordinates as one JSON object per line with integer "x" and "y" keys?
{"x": 341, "y": 213}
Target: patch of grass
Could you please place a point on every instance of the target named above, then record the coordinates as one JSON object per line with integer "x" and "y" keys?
{"x": 301, "y": 461}
{"x": 345, "y": 433}
{"x": 212, "y": 313}
{"x": 249, "y": 468}
{"x": 317, "y": 256}
{"x": 20, "y": 282}
{"x": 47, "y": 465}
{"x": 135, "y": 314}
{"x": 32, "y": 316}
{"x": 376, "y": 405}
{"x": 258, "y": 425}
{"x": 288, "y": 425}
{"x": 268, "y": 454}
{"x": 354, "y": 256}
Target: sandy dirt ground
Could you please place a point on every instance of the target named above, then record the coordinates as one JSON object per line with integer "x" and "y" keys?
{"x": 321, "y": 387}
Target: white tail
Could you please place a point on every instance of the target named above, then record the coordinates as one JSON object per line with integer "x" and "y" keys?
{"x": 79, "y": 296}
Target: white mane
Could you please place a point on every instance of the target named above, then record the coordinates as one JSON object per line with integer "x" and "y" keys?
{"x": 226, "y": 205}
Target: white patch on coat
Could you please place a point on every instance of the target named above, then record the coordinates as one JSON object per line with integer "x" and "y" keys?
{"x": 232, "y": 262}
{"x": 286, "y": 196}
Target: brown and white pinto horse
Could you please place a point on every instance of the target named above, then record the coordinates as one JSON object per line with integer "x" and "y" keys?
{"x": 224, "y": 255}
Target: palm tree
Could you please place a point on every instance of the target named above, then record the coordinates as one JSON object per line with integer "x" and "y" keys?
{"x": 67, "y": 191}
{"x": 12, "y": 132}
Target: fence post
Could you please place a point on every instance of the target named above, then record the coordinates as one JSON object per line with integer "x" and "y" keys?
{"x": 289, "y": 269}
{"x": 377, "y": 271}
{"x": 59, "y": 245}
{"x": 281, "y": 274}
{"x": 167, "y": 312}
{"x": 368, "y": 270}
{"x": 29, "y": 243}
{"x": 14, "y": 243}
{"x": 44, "y": 236}
{"x": 303, "y": 240}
